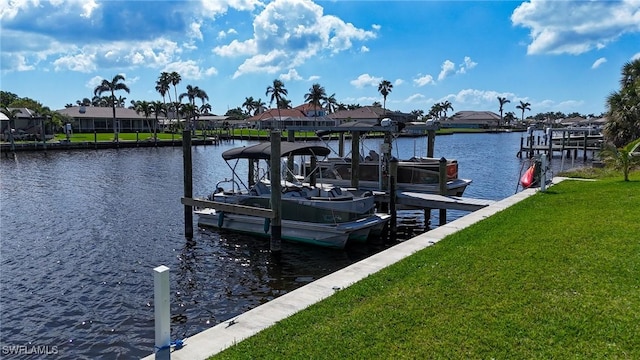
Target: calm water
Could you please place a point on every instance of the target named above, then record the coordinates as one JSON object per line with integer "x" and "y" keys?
{"x": 81, "y": 232}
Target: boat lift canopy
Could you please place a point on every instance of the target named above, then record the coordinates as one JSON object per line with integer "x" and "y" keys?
{"x": 263, "y": 151}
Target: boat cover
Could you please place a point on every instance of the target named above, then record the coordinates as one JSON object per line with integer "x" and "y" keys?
{"x": 263, "y": 151}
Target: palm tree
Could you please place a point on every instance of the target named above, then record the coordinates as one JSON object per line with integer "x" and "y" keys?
{"x": 622, "y": 158}
{"x": 157, "y": 108}
{"x": 509, "y": 117}
{"x": 284, "y": 104}
{"x": 523, "y": 106}
{"x": 623, "y": 107}
{"x": 112, "y": 86}
{"x": 193, "y": 93}
{"x": 446, "y": 106}
{"x": 163, "y": 86}
{"x": 435, "y": 111}
{"x": 259, "y": 106}
{"x": 84, "y": 102}
{"x": 315, "y": 96}
{"x": 248, "y": 104}
{"x": 330, "y": 103}
{"x": 502, "y": 101}
{"x": 174, "y": 79}
{"x": 144, "y": 107}
{"x": 278, "y": 92}
{"x": 384, "y": 88}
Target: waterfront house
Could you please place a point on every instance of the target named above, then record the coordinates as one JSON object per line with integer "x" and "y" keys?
{"x": 472, "y": 120}
{"x": 27, "y": 124}
{"x": 371, "y": 115}
{"x": 303, "y": 115}
{"x": 100, "y": 119}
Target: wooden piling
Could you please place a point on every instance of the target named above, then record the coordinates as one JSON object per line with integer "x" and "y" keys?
{"x": 431, "y": 141}
{"x": 393, "y": 222}
{"x": 355, "y": 159}
{"x": 188, "y": 182}
{"x": 276, "y": 194}
{"x": 443, "y": 187}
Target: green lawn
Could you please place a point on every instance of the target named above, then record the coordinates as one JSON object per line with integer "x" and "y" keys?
{"x": 556, "y": 276}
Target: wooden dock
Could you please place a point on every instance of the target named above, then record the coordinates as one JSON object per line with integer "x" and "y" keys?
{"x": 569, "y": 144}
{"x": 415, "y": 200}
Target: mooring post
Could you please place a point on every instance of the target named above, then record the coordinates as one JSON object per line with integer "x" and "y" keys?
{"x": 341, "y": 144}
{"x": 355, "y": 158}
{"x": 162, "y": 312}
{"x": 543, "y": 173}
{"x": 313, "y": 175}
{"x": 290, "y": 165}
{"x": 584, "y": 147}
{"x": 443, "y": 187}
{"x": 276, "y": 194}
{"x": 550, "y": 144}
{"x": 431, "y": 142}
{"x": 188, "y": 182}
{"x": 393, "y": 169}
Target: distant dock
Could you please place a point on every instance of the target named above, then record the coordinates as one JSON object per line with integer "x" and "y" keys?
{"x": 568, "y": 142}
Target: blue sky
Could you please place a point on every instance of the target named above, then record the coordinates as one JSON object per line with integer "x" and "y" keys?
{"x": 557, "y": 55}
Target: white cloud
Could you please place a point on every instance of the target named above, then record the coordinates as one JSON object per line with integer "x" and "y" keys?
{"x": 313, "y": 78}
{"x": 415, "y": 98}
{"x": 80, "y": 62}
{"x": 592, "y": 24}
{"x": 213, "y": 8}
{"x": 636, "y": 56}
{"x": 190, "y": 70}
{"x": 398, "y": 82}
{"x": 448, "y": 68}
{"x": 237, "y": 48}
{"x": 364, "y": 49}
{"x": 194, "y": 30}
{"x": 424, "y": 80}
{"x": 365, "y": 80}
{"x": 291, "y": 75}
{"x": 289, "y": 32}
{"x": 598, "y": 62}
{"x": 468, "y": 64}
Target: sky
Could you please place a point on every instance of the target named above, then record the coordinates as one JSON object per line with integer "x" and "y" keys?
{"x": 556, "y": 55}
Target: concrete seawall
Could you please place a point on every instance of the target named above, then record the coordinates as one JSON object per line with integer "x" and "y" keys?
{"x": 232, "y": 331}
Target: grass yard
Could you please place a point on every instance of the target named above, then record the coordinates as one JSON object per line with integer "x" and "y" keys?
{"x": 556, "y": 276}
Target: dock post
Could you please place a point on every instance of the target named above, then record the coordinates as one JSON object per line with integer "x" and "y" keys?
{"x": 290, "y": 138}
{"x": 584, "y": 147}
{"x": 276, "y": 194}
{"x": 543, "y": 173}
{"x": 188, "y": 182}
{"x": 443, "y": 187}
{"x": 393, "y": 226}
{"x": 313, "y": 176}
{"x": 530, "y": 131}
{"x": 355, "y": 159}
{"x": 341, "y": 145}
{"x": 162, "y": 312}
{"x": 431, "y": 141}
{"x": 550, "y": 144}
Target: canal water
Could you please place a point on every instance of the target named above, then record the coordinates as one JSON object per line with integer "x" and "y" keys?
{"x": 81, "y": 231}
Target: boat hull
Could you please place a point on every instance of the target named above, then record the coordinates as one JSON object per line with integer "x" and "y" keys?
{"x": 321, "y": 234}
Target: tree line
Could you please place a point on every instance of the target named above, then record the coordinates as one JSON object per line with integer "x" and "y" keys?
{"x": 623, "y": 106}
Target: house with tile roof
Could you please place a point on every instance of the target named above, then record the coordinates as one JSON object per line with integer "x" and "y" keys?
{"x": 372, "y": 115}
{"x": 303, "y": 115}
{"x": 472, "y": 120}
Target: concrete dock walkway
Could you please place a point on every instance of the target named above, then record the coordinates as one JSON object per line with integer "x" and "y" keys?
{"x": 232, "y": 331}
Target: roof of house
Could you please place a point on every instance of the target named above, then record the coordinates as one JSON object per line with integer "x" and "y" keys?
{"x": 275, "y": 114}
{"x": 100, "y": 112}
{"x": 474, "y": 116}
{"x": 362, "y": 113}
